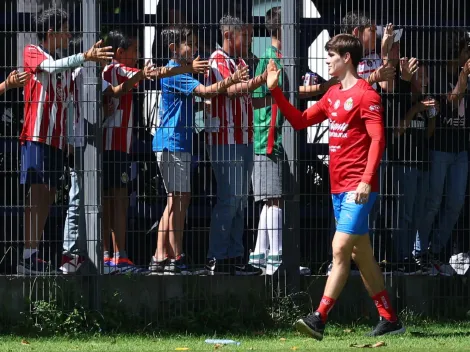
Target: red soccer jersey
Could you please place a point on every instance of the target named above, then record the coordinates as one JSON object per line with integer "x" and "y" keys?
{"x": 356, "y": 132}
{"x": 117, "y": 128}
{"x": 46, "y": 96}
{"x": 231, "y": 120}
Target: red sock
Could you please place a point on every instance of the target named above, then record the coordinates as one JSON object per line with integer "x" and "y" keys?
{"x": 382, "y": 302}
{"x": 326, "y": 304}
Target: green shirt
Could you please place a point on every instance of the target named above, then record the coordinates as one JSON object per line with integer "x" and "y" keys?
{"x": 268, "y": 132}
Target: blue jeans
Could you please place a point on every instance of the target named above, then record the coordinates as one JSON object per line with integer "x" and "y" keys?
{"x": 74, "y": 228}
{"x": 449, "y": 170}
{"x": 232, "y": 165}
{"x": 412, "y": 185}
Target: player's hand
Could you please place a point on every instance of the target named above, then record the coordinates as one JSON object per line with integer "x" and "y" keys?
{"x": 272, "y": 75}
{"x": 362, "y": 193}
{"x": 98, "y": 54}
{"x": 17, "y": 79}
{"x": 199, "y": 66}
{"x": 242, "y": 74}
{"x": 383, "y": 74}
{"x": 408, "y": 68}
{"x": 387, "y": 38}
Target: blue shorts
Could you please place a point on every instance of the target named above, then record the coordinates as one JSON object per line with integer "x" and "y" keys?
{"x": 41, "y": 164}
{"x": 352, "y": 218}
{"x": 116, "y": 169}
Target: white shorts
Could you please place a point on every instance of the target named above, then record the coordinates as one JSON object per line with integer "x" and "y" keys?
{"x": 175, "y": 168}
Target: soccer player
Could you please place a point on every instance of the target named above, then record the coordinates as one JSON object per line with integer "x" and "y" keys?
{"x": 14, "y": 80}
{"x": 356, "y": 139}
{"x": 173, "y": 145}
{"x": 43, "y": 138}
{"x": 119, "y": 78}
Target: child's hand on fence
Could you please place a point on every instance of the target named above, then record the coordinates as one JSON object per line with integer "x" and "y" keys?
{"x": 199, "y": 66}
{"x": 98, "y": 54}
{"x": 149, "y": 70}
{"x": 242, "y": 74}
{"x": 273, "y": 75}
{"x": 17, "y": 79}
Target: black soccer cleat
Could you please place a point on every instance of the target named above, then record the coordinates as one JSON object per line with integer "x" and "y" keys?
{"x": 312, "y": 325}
{"x": 385, "y": 327}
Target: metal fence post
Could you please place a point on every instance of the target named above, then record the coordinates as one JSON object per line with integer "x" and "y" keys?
{"x": 291, "y": 234}
{"x": 92, "y": 159}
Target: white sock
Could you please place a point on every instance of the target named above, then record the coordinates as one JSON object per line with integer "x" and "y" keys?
{"x": 27, "y": 253}
{"x": 274, "y": 219}
{"x": 262, "y": 240}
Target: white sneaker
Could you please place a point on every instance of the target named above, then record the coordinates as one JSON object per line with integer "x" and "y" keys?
{"x": 257, "y": 260}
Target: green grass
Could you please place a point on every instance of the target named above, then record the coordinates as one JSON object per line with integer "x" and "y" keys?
{"x": 430, "y": 337}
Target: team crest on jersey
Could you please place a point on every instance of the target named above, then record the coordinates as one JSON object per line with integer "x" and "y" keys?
{"x": 374, "y": 108}
{"x": 369, "y": 63}
{"x": 124, "y": 177}
{"x": 348, "y": 104}
{"x": 337, "y": 104}
{"x": 59, "y": 93}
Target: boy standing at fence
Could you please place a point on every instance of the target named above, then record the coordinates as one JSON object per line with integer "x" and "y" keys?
{"x": 356, "y": 143}
{"x": 119, "y": 78}
{"x": 43, "y": 136}
{"x": 173, "y": 144}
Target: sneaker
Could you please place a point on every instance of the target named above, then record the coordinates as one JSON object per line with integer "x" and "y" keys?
{"x": 273, "y": 263}
{"x": 410, "y": 267}
{"x": 125, "y": 266}
{"x": 430, "y": 263}
{"x": 258, "y": 260}
{"x": 217, "y": 267}
{"x": 241, "y": 269}
{"x": 312, "y": 325}
{"x": 35, "y": 266}
{"x": 177, "y": 266}
{"x": 71, "y": 263}
{"x": 109, "y": 267}
{"x": 385, "y": 327}
{"x": 156, "y": 266}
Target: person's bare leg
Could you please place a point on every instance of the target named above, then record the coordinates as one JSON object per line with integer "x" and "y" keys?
{"x": 119, "y": 225}
{"x": 38, "y": 201}
{"x": 107, "y": 220}
{"x": 363, "y": 256}
{"x": 161, "y": 252}
{"x": 178, "y": 210}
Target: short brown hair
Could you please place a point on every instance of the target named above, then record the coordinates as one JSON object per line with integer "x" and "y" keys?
{"x": 346, "y": 43}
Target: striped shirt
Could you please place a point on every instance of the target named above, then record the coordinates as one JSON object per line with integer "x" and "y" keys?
{"x": 368, "y": 65}
{"x": 117, "y": 128}
{"x": 46, "y": 97}
{"x": 231, "y": 120}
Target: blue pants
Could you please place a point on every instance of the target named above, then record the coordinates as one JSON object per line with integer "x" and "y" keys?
{"x": 449, "y": 171}
{"x": 74, "y": 228}
{"x": 233, "y": 166}
{"x": 412, "y": 185}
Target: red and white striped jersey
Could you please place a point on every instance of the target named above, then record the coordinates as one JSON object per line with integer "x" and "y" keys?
{"x": 46, "y": 97}
{"x": 117, "y": 128}
{"x": 231, "y": 120}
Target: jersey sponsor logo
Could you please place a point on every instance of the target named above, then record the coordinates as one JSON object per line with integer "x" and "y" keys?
{"x": 348, "y": 104}
{"x": 454, "y": 122}
{"x": 338, "y": 130}
{"x": 375, "y": 108}
{"x": 337, "y": 104}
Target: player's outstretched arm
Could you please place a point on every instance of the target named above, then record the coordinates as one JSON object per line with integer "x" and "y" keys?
{"x": 299, "y": 120}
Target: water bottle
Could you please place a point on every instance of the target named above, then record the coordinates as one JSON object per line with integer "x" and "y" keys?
{"x": 222, "y": 342}
{"x": 432, "y": 111}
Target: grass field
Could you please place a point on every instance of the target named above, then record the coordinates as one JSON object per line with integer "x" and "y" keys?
{"x": 430, "y": 337}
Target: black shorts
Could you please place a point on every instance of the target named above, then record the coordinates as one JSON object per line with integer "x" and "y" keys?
{"x": 116, "y": 169}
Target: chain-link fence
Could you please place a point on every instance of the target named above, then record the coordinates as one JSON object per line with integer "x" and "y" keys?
{"x": 124, "y": 154}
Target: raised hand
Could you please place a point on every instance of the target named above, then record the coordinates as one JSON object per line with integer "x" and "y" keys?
{"x": 17, "y": 79}
{"x": 272, "y": 75}
{"x": 384, "y": 74}
{"x": 199, "y": 66}
{"x": 242, "y": 74}
{"x": 408, "y": 68}
{"x": 98, "y": 54}
{"x": 149, "y": 70}
{"x": 387, "y": 38}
